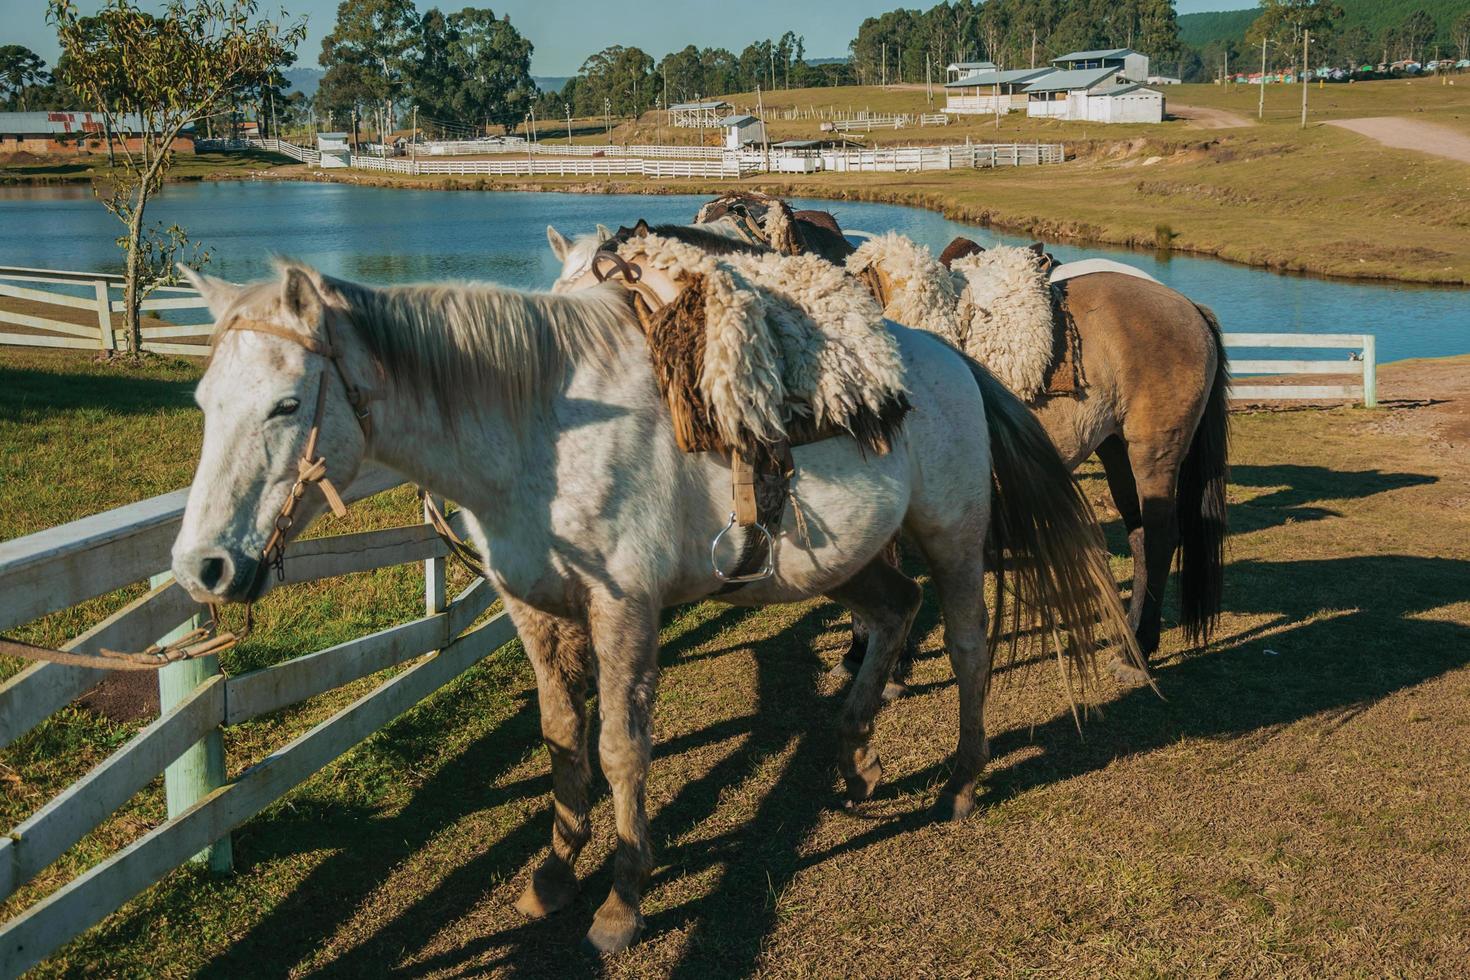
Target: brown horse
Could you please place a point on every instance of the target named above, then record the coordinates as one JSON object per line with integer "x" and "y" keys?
{"x": 1152, "y": 405}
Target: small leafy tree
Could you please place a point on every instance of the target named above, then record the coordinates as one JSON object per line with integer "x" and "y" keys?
{"x": 154, "y": 76}
{"x": 1461, "y": 34}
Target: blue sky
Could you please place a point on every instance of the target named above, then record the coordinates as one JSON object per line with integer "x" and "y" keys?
{"x": 566, "y": 31}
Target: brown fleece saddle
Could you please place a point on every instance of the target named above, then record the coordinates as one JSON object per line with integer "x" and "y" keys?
{"x": 761, "y": 470}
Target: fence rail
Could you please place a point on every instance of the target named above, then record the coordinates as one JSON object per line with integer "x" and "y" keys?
{"x": 66, "y": 565}
{"x": 1365, "y": 366}
{"x": 722, "y": 169}
{"x": 43, "y": 306}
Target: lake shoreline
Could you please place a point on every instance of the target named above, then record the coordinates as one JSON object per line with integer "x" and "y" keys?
{"x": 1047, "y": 230}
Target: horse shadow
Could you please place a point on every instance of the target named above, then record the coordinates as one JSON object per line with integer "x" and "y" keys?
{"x": 32, "y": 396}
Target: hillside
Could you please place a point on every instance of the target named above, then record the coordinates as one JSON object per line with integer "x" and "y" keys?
{"x": 1198, "y": 30}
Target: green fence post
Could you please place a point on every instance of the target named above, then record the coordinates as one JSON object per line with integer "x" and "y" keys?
{"x": 201, "y": 769}
{"x": 1370, "y": 371}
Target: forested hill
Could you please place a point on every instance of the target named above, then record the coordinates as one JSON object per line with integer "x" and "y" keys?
{"x": 1374, "y": 16}
{"x": 1198, "y": 30}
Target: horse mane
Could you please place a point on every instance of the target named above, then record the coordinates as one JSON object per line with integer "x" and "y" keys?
{"x": 468, "y": 342}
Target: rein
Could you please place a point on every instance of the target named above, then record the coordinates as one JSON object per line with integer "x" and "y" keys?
{"x": 311, "y": 470}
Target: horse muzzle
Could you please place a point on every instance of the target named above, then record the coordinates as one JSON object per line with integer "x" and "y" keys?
{"x": 213, "y": 575}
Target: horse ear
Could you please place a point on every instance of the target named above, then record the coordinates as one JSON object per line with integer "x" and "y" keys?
{"x": 301, "y": 295}
{"x": 558, "y": 242}
{"x": 1038, "y": 247}
{"x": 641, "y": 229}
{"x": 216, "y": 293}
{"x": 604, "y": 233}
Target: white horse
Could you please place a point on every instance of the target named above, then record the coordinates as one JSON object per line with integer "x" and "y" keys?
{"x": 540, "y": 416}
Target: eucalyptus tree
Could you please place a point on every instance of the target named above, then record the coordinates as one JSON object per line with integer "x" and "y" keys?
{"x": 369, "y": 56}
{"x": 489, "y": 62}
{"x": 155, "y": 76}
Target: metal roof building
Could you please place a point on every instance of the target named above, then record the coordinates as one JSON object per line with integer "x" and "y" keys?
{"x": 697, "y": 115}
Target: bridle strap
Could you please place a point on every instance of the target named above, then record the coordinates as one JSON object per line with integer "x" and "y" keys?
{"x": 357, "y": 397}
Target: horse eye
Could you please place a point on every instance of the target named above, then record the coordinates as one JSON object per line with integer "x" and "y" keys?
{"x": 286, "y": 406}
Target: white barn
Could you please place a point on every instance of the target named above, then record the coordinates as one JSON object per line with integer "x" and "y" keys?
{"x": 741, "y": 131}
{"x": 991, "y": 92}
{"x": 1131, "y": 65}
{"x": 1093, "y": 95}
{"x": 334, "y": 149}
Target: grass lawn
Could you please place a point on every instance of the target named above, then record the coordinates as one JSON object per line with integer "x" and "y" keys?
{"x": 187, "y": 166}
{"x": 1294, "y": 804}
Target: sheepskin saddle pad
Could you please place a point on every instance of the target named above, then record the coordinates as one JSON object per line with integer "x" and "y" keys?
{"x": 769, "y": 350}
{"x": 996, "y": 305}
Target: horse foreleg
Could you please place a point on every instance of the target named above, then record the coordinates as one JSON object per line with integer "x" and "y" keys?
{"x": 857, "y": 648}
{"x": 886, "y": 601}
{"x": 560, "y": 655}
{"x": 625, "y": 641}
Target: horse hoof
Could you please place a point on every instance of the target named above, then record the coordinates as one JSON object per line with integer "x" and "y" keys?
{"x": 1126, "y": 673}
{"x": 841, "y": 673}
{"x": 894, "y": 690}
{"x": 613, "y": 932}
{"x": 861, "y": 784}
{"x": 546, "y": 892}
{"x": 952, "y": 809}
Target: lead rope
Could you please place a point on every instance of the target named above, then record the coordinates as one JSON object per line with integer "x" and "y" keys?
{"x": 206, "y": 641}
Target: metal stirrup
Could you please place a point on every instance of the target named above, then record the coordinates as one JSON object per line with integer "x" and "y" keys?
{"x": 764, "y": 573}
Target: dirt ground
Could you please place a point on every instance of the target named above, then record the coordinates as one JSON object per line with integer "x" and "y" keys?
{"x": 1411, "y": 134}
{"x": 1202, "y": 117}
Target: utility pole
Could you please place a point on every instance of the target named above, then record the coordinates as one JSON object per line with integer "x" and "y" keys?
{"x": 883, "y": 74}
{"x": 568, "y": 107}
{"x": 765, "y": 140}
{"x": 413, "y": 145}
{"x": 1033, "y": 47}
{"x": 929, "y": 78}
{"x": 1261, "y": 108}
{"x": 1306, "y": 42}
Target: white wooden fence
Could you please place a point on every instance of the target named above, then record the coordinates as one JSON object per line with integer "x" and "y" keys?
{"x": 729, "y": 168}
{"x": 66, "y": 565}
{"x": 549, "y": 148}
{"x": 1365, "y": 367}
{"x": 300, "y": 153}
{"x": 101, "y": 296}
{"x": 900, "y": 159}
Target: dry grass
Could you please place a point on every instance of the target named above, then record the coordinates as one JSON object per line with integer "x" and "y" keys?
{"x": 1294, "y": 805}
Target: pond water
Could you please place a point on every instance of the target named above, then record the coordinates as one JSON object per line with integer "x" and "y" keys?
{"x": 385, "y": 236}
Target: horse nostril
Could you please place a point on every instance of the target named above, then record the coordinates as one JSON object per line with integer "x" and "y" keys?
{"x": 211, "y": 572}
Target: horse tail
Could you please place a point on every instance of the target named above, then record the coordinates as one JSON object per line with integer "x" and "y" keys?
{"x": 1058, "y": 561}
{"x": 1201, "y": 504}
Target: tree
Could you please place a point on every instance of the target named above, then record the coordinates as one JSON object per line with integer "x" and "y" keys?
{"x": 1285, "y": 20}
{"x": 21, "y": 70}
{"x": 1461, "y": 35}
{"x": 490, "y": 63}
{"x": 1416, "y": 31}
{"x": 370, "y": 53}
{"x": 622, "y": 76}
{"x": 432, "y": 79}
{"x": 154, "y": 76}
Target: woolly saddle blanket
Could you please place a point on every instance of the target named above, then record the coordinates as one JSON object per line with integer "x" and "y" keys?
{"x": 997, "y": 306}
{"x": 760, "y": 350}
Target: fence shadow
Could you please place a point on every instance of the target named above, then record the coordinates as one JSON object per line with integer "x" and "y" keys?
{"x": 28, "y": 396}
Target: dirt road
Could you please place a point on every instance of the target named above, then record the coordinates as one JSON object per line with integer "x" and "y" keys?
{"x": 1410, "y": 134}
{"x": 1201, "y": 117}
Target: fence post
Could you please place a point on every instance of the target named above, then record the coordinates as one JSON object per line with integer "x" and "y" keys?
{"x": 201, "y": 769}
{"x": 435, "y": 594}
{"x": 1370, "y": 371}
{"x": 104, "y": 315}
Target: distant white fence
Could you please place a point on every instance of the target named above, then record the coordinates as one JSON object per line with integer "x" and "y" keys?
{"x": 1365, "y": 367}
{"x": 52, "y": 570}
{"x": 721, "y": 169}
{"x": 48, "y": 294}
{"x": 299, "y": 153}
{"x": 495, "y": 147}
{"x": 870, "y": 121}
{"x": 962, "y": 156}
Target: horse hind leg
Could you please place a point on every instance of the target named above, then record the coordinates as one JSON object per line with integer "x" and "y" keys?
{"x": 560, "y": 655}
{"x": 960, "y": 581}
{"x": 1157, "y": 477}
{"x": 1113, "y": 452}
{"x": 886, "y": 601}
